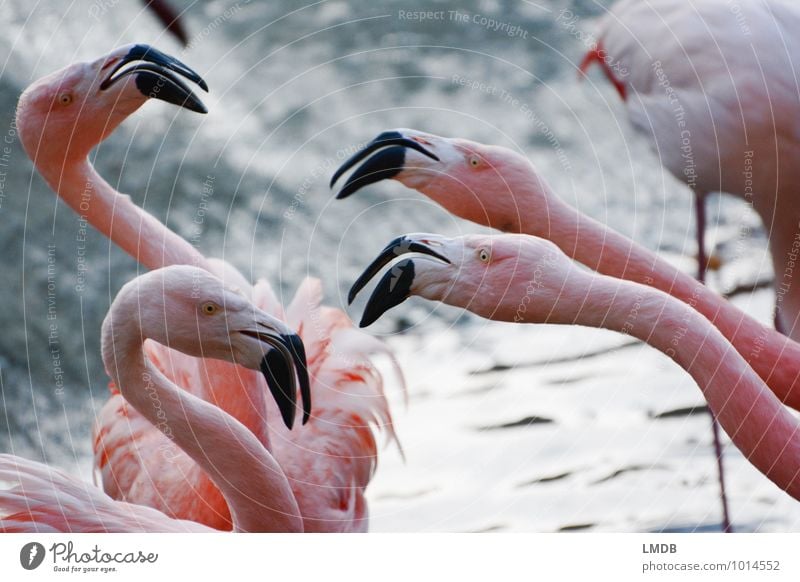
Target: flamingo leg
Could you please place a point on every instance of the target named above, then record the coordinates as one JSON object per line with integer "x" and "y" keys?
{"x": 702, "y": 265}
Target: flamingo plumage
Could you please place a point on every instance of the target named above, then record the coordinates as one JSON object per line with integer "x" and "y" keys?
{"x": 194, "y": 312}
{"x": 331, "y": 460}
{"x": 525, "y": 279}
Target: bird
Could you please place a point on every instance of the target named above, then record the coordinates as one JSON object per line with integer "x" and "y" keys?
{"x": 195, "y": 313}
{"x": 500, "y": 188}
{"x": 525, "y": 279}
{"x": 711, "y": 85}
{"x": 330, "y": 462}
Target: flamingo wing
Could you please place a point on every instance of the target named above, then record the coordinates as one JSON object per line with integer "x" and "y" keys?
{"x": 135, "y": 461}
{"x": 331, "y": 460}
{"x": 45, "y": 500}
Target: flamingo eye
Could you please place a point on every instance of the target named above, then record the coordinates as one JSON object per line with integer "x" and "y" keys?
{"x": 209, "y": 308}
{"x": 484, "y": 255}
{"x": 474, "y": 161}
{"x": 65, "y": 98}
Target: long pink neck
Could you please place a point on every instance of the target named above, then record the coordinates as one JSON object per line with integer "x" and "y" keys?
{"x": 760, "y": 426}
{"x": 254, "y": 486}
{"x": 135, "y": 231}
{"x": 154, "y": 245}
{"x": 773, "y": 356}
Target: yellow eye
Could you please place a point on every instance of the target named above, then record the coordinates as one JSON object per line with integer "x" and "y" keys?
{"x": 484, "y": 255}
{"x": 65, "y": 98}
{"x": 210, "y": 308}
{"x": 474, "y": 161}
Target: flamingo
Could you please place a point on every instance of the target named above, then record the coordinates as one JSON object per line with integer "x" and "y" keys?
{"x": 500, "y": 188}
{"x": 331, "y": 460}
{"x": 192, "y": 311}
{"x": 712, "y": 84}
{"x": 525, "y": 279}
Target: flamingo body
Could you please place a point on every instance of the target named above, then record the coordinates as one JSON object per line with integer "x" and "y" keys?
{"x": 714, "y": 86}
{"x": 329, "y": 463}
{"x": 168, "y": 306}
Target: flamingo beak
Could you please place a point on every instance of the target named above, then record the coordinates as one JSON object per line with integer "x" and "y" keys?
{"x": 279, "y": 367}
{"x": 395, "y": 286}
{"x": 385, "y": 164}
{"x": 156, "y": 78}
{"x": 400, "y": 246}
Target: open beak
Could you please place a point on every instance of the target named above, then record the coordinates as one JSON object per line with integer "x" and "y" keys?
{"x": 386, "y": 163}
{"x": 282, "y": 366}
{"x": 395, "y": 286}
{"x": 157, "y": 77}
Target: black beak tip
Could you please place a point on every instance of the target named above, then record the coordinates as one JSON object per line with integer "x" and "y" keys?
{"x": 197, "y": 106}
{"x": 391, "y": 291}
{"x": 158, "y": 77}
{"x": 164, "y": 88}
{"x": 298, "y": 352}
{"x": 277, "y": 372}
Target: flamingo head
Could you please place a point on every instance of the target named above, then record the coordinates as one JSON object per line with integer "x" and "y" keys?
{"x": 490, "y": 185}
{"x": 65, "y": 114}
{"x": 506, "y": 277}
{"x": 192, "y": 311}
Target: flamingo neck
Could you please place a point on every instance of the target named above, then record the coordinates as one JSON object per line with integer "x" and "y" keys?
{"x": 154, "y": 245}
{"x": 252, "y": 482}
{"x": 774, "y": 357}
{"x": 115, "y": 215}
{"x": 763, "y": 429}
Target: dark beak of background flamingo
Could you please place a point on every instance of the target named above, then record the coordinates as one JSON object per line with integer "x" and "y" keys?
{"x": 156, "y": 78}
{"x": 395, "y": 286}
{"x": 279, "y": 366}
{"x": 386, "y": 163}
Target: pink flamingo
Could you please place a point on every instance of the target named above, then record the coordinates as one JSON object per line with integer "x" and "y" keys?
{"x": 524, "y": 279}
{"x": 710, "y": 103}
{"x": 330, "y": 462}
{"x": 194, "y": 312}
{"x": 497, "y": 187}
{"x": 712, "y": 84}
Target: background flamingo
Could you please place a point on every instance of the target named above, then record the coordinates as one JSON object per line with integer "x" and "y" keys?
{"x": 712, "y": 85}
{"x": 192, "y": 311}
{"x": 525, "y": 279}
{"x": 330, "y": 462}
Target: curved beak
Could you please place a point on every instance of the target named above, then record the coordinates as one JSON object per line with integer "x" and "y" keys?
{"x": 282, "y": 367}
{"x": 157, "y": 77}
{"x": 402, "y": 245}
{"x": 395, "y": 286}
{"x": 386, "y": 163}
